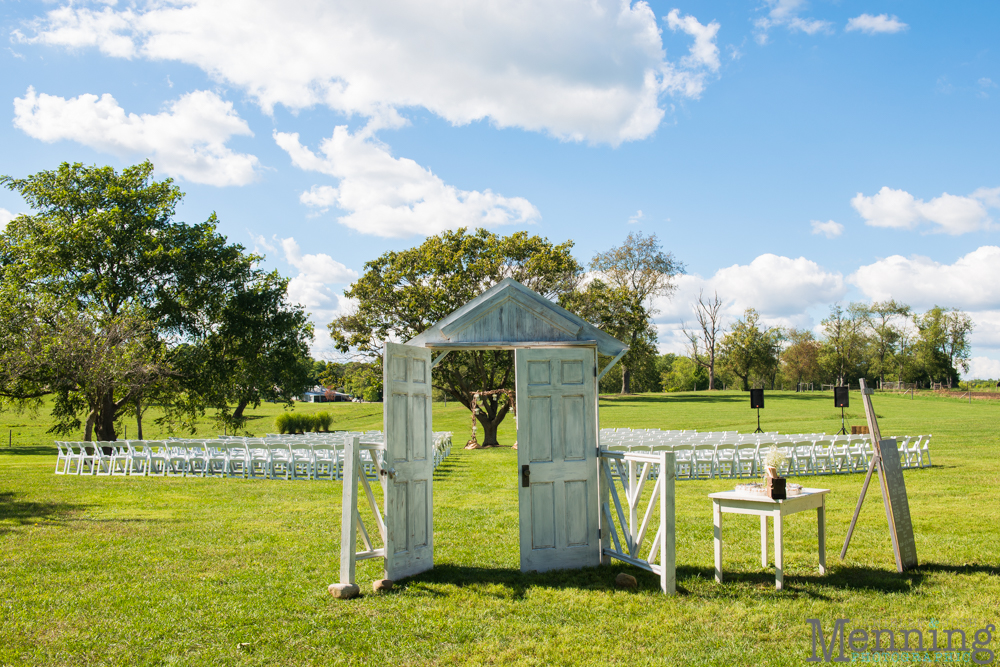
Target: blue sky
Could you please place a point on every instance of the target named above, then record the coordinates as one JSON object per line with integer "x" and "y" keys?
{"x": 792, "y": 154}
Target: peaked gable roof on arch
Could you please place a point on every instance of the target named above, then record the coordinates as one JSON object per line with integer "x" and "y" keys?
{"x": 508, "y": 316}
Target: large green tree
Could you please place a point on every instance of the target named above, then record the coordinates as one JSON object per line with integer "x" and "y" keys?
{"x": 102, "y": 261}
{"x": 617, "y": 312}
{"x": 637, "y": 272}
{"x": 845, "y": 350}
{"x": 750, "y": 351}
{"x": 886, "y": 322}
{"x": 402, "y": 293}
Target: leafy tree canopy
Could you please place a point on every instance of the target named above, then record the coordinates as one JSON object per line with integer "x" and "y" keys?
{"x": 402, "y": 293}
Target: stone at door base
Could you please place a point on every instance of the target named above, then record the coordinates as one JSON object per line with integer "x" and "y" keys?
{"x": 345, "y": 591}
{"x": 625, "y": 581}
{"x": 382, "y": 585}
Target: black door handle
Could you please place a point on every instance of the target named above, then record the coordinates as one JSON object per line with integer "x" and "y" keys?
{"x": 525, "y": 474}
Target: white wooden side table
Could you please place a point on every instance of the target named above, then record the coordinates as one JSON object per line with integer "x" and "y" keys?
{"x": 731, "y": 502}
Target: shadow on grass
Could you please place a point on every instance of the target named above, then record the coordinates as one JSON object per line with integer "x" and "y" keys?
{"x": 516, "y": 584}
{"x": 22, "y": 512}
{"x": 29, "y": 450}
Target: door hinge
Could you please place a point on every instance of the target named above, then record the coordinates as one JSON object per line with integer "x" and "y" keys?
{"x": 598, "y": 533}
{"x": 595, "y": 371}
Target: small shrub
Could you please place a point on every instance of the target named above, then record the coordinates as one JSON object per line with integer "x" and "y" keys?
{"x": 323, "y": 420}
{"x": 285, "y": 422}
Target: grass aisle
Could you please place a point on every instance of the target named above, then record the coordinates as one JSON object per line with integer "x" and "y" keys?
{"x": 153, "y": 571}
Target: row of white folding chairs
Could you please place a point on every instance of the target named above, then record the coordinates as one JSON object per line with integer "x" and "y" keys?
{"x": 817, "y": 456}
{"x": 290, "y": 458}
{"x": 230, "y": 458}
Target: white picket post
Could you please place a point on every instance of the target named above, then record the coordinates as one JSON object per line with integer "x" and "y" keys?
{"x": 349, "y": 511}
{"x": 668, "y": 543}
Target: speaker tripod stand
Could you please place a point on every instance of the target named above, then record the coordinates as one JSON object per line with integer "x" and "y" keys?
{"x": 758, "y": 422}
{"x": 843, "y": 428}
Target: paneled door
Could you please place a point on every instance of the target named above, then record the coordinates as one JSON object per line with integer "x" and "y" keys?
{"x": 557, "y": 458}
{"x": 409, "y": 466}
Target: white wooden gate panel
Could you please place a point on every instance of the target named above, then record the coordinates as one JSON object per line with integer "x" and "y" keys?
{"x": 409, "y": 467}
{"x": 557, "y": 441}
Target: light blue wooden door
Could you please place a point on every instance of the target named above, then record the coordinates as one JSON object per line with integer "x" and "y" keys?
{"x": 409, "y": 464}
{"x": 557, "y": 458}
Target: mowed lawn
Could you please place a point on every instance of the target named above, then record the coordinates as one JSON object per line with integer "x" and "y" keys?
{"x": 151, "y": 571}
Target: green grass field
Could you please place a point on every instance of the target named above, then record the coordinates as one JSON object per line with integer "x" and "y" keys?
{"x": 152, "y": 571}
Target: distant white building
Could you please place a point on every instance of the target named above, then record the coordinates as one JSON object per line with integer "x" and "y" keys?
{"x": 324, "y": 395}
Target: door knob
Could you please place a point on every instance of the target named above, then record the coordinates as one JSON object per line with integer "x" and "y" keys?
{"x": 525, "y": 475}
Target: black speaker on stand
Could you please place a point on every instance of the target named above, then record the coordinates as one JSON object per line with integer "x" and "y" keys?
{"x": 757, "y": 401}
{"x": 841, "y": 399}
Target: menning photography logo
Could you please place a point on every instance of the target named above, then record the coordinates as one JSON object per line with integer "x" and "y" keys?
{"x": 883, "y": 645}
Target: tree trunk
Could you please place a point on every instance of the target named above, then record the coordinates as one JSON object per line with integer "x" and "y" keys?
{"x": 489, "y": 432}
{"x": 626, "y": 380}
{"x": 88, "y": 431}
{"x": 238, "y": 413}
{"x": 711, "y": 373}
{"x": 105, "y": 422}
{"x": 138, "y": 415}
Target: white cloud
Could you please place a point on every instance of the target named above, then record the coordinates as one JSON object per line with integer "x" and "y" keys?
{"x": 786, "y": 13}
{"x": 311, "y": 287}
{"x": 983, "y": 368}
{"x": 593, "y": 71}
{"x": 781, "y": 289}
{"x": 77, "y": 28}
{"x": 633, "y": 219}
{"x": 873, "y": 25}
{"x": 261, "y": 243}
{"x": 395, "y": 197}
{"x": 187, "y": 140}
{"x": 829, "y": 229}
{"x": 704, "y": 52}
{"x": 971, "y": 283}
{"x": 5, "y": 217}
{"x": 950, "y": 214}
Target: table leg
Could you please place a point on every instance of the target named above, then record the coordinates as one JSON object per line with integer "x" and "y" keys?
{"x": 717, "y": 516}
{"x": 821, "y": 523}
{"x": 779, "y": 552}
{"x": 763, "y": 540}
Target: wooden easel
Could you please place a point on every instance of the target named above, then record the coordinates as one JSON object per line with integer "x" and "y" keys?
{"x": 890, "y": 475}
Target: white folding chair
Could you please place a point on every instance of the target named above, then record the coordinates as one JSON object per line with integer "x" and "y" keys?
{"x": 64, "y": 457}
{"x": 303, "y": 459}
{"x": 197, "y": 454}
{"x": 925, "y": 451}
{"x": 802, "y": 458}
{"x": 703, "y": 463}
{"x": 259, "y": 461}
{"x": 725, "y": 460}
{"x": 101, "y": 459}
{"x": 745, "y": 460}
{"x": 138, "y": 462}
{"x": 281, "y": 459}
{"x": 120, "y": 457}
{"x": 324, "y": 461}
{"x": 177, "y": 458}
{"x": 159, "y": 455}
{"x": 237, "y": 459}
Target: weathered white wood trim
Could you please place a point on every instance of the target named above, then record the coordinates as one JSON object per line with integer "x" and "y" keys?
{"x": 504, "y": 345}
{"x": 633, "y": 534}
{"x": 611, "y": 363}
{"x": 349, "y": 511}
{"x": 439, "y": 358}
